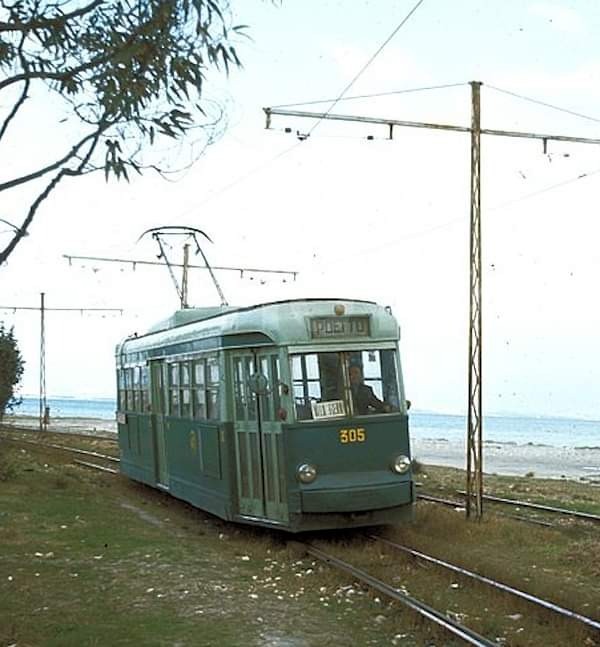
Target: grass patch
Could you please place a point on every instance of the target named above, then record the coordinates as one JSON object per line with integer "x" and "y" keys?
{"x": 90, "y": 559}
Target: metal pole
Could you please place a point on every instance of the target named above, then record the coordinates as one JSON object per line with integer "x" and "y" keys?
{"x": 474, "y": 421}
{"x": 43, "y": 419}
{"x": 184, "y": 278}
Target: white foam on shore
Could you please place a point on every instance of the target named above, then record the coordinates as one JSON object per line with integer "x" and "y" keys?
{"x": 514, "y": 460}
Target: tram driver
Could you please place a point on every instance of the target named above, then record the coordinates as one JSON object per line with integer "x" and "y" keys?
{"x": 363, "y": 398}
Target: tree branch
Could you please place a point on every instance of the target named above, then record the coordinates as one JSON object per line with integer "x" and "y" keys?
{"x": 11, "y": 184}
{"x": 22, "y": 230}
{"x": 45, "y": 23}
{"x": 61, "y": 76}
{"x": 23, "y": 96}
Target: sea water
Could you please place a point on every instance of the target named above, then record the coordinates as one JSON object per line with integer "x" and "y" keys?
{"x": 509, "y": 429}
{"x": 101, "y": 408}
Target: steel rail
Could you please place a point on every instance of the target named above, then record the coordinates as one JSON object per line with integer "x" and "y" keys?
{"x": 84, "y": 452}
{"x": 423, "y": 609}
{"x": 594, "y": 624}
{"x": 538, "y": 506}
{"x": 96, "y": 467}
{"x": 435, "y": 499}
{"x": 457, "y": 505}
{"x": 10, "y": 426}
{"x": 72, "y": 450}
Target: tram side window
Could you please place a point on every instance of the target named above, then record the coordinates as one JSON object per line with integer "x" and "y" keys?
{"x": 186, "y": 395}
{"x": 212, "y": 388}
{"x": 129, "y": 389}
{"x": 199, "y": 374}
{"x": 240, "y": 388}
{"x": 121, "y": 391}
{"x": 137, "y": 393}
{"x": 174, "y": 389}
{"x": 144, "y": 386}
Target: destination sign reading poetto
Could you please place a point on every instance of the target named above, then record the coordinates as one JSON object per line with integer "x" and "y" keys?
{"x": 321, "y": 327}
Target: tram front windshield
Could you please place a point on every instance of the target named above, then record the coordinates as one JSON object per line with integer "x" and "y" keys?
{"x": 350, "y": 383}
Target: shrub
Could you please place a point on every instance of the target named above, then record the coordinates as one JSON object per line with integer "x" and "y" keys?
{"x": 11, "y": 369}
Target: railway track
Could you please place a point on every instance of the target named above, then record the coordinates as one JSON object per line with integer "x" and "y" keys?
{"x": 453, "y": 627}
{"x": 88, "y": 454}
{"x": 545, "y": 604}
{"x": 539, "y": 507}
{"x": 459, "y": 505}
{"x": 441, "y": 619}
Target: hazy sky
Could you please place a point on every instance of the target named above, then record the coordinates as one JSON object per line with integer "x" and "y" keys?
{"x": 381, "y": 220}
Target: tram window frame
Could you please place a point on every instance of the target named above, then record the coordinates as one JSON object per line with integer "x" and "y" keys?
{"x": 130, "y": 406}
{"x": 213, "y": 387}
{"x": 185, "y": 400}
{"x": 199, "y": 389}
{"x": 301, "y": 386}
{"x": 385, "y": 385}
{"x": 144, "y": 387}
{"x": 240, "y": 388}
{"x": 121, "y": 391}
{"x": 173, "y": 388}
{"x": 137, "y": 392}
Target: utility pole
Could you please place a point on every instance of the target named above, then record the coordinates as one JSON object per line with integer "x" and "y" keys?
{"x": 475, "y": 418}
{"x": 43, "y": 404}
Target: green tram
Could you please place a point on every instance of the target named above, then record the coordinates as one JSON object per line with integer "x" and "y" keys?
{"x": 289, "y": 414}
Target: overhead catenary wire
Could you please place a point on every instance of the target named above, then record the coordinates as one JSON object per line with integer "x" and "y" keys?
{"x": 367, "y": 64}
{"x": 373, "y": 95}
{"x": 454, "y": 221}
{"x": 288, "y": 150}
{"x": 543, "y": 103}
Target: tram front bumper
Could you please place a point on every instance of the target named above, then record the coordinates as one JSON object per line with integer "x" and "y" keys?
{"x": 356, "y": 499}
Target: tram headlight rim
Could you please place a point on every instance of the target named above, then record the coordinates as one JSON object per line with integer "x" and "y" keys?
{"x": 306, "y": 473}
{"x": 400, "y": 464}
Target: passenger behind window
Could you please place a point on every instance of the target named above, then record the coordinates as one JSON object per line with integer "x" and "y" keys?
{"x": 363, "y": 398}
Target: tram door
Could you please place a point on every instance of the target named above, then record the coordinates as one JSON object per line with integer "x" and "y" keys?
{"x": 258, "y": 435}
{"x": 158, "y": 402}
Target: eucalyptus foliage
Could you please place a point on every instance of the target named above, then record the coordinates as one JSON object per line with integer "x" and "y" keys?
{"x": 11, "y": 369}
{"x": 128, "y": 77}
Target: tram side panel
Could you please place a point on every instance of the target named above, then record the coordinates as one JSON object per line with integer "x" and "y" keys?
{"x": 199, "y": 465}
{"x": 136, "y": 447}
{"x": 162, "y": 445}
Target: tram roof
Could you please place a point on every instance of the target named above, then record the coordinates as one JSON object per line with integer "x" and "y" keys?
{"x": 282, "y": 322}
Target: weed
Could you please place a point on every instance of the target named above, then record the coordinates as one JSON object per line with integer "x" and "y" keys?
{"x": 417, "y": 467}
{"x": 8, "y": 467}
{"x": 61, "y": 482}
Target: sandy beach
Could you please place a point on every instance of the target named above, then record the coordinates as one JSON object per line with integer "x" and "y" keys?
{"x": 515, "y": 460}
{"x": 511, "y": 459}
{"x": 65, "y": 425}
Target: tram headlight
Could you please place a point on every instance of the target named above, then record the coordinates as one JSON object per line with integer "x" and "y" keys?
{"x": 401, "y": 464}
{"x": 306, "y": 473}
